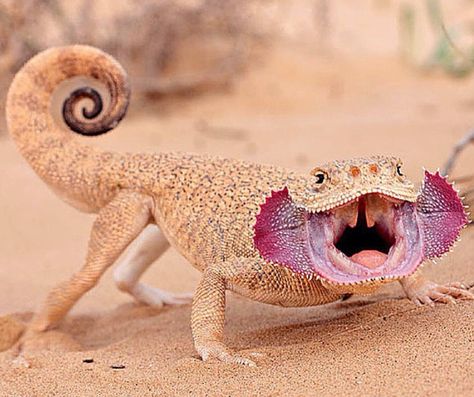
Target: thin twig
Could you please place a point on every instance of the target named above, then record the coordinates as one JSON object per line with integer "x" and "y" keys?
{"x": 454, "y": 46}
{"x": 468, "y": 138}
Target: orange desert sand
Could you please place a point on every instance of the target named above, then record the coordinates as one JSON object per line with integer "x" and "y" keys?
{"x": 293, "y": 110}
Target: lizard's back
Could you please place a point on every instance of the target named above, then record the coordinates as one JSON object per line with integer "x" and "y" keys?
{"x": 207, "y": 205}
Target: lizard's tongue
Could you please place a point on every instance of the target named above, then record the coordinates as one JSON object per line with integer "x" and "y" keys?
{"x": 369, "y": 258}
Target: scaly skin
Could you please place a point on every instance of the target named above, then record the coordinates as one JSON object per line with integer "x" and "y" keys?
{"x": 206, "y": 207}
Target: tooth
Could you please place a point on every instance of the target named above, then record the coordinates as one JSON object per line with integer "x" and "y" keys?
{"x": 353, "y": 220}
{"x": 369, "y": 218}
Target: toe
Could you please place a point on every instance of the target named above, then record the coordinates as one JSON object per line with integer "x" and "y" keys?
{"x": 456, "y": 284}
{"x": 244, "y": 361}
{"x": 426, "y": 300}
{"x": 456, "y": 292}
{"x": 417, "y": 302}
{"x": 220, "y": 352}
{"x": 236, "y": 359}
{"x": 443, "y": 298}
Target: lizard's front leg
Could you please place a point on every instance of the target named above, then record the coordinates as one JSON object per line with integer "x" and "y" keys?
{"x": 207, "y": 318}
{"x": 425, "y": 292}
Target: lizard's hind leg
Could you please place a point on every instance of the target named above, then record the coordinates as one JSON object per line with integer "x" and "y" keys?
{"x": 116, "y": 226}
{"x": 143, "y": 251}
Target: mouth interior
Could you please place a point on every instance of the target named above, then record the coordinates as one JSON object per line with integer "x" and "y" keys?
{"x": 362, "y": 242}
{"x": 374, "y": 236}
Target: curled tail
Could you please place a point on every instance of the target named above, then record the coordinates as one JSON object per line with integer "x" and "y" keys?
{"x": 70, "y": 168}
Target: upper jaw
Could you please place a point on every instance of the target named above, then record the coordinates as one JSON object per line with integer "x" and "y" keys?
{"x": 394, "y": 221}
{"x": 325, "y": 199}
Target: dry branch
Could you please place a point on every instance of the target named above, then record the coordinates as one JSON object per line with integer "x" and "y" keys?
{"x": 465, "y": 183}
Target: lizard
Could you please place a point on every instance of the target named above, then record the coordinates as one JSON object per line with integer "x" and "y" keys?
{"x": 270, "y": 234}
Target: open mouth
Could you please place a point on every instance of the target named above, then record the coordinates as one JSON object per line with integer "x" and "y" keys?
{"x": 373, "y": 237}
{"x": 364, "y": 241}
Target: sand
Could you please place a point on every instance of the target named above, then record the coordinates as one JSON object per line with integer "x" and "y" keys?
{"x": 294, "y": 110}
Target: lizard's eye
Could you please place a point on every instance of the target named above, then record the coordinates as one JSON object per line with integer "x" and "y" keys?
{"x": 399, "y": 169}
{"x": 320, "y": 176}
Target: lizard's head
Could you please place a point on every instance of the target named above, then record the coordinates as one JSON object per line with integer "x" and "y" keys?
{"x": 358, "y": 222}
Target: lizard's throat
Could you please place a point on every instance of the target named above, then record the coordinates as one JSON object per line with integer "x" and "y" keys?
{"x": 374, "y": 237}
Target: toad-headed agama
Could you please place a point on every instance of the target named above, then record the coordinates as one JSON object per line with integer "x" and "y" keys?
{"x": 264, "y": 232}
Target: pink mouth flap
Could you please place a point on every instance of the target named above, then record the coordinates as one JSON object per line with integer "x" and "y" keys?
{"x": 441, "y": 214}
{"x": 280, "y": 235}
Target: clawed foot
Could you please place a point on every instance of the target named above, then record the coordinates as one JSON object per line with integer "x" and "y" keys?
{"x": 219, "y": 351}
{"x": 158, "y": 298}
{"x": 423, "y": 292}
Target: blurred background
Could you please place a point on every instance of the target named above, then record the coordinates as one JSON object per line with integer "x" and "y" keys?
{"x": 185, "y": 46}
{"x": 289, "y": 82}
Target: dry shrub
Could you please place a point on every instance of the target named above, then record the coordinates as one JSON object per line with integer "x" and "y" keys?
{"x": 176, "y": 46}
{"x": 167, "y": 46}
